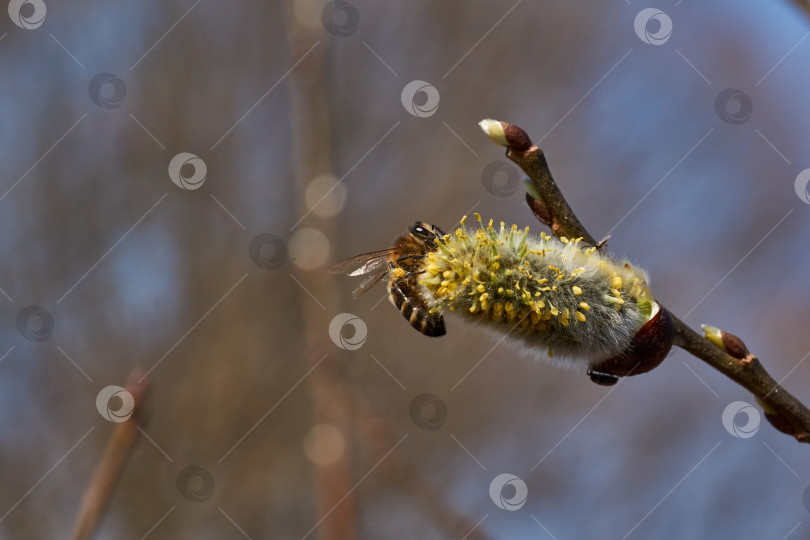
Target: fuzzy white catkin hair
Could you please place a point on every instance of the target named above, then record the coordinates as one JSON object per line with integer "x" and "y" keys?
{"x": 554, "y": 295}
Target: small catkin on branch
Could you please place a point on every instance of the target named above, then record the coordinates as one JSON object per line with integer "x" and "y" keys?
{"x": 723, "y": 351}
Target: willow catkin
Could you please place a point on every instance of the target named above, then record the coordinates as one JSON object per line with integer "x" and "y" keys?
{"x": 553, "y": 294}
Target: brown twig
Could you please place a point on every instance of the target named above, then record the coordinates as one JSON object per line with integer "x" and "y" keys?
{"x": 729, "y": 356}
{"x": 803, "y": 5}
{"x": 100, "y": 489}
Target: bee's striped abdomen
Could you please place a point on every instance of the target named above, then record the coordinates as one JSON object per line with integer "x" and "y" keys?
{"x": 415, "y": 310}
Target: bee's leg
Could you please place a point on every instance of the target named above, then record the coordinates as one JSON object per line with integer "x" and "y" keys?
{"x": 603, "y": 379}
{"x": 415, "y": 310}
{"x": 406, "y": 257}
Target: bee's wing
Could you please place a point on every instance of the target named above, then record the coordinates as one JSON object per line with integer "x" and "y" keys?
{"x": 370, "y": 281}
{"x": 360, "y": 265}
{"x": 373, "y": 265}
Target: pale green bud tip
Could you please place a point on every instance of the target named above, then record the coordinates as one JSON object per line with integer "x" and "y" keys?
{"x": 765, "y": 407}
{"x": 494, "y": 130}
{"x": 531, "y": 189}
{"x": 715, "y": 335}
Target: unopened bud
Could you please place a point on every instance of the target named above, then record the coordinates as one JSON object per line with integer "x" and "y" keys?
{"x": 729, "y": 343}
{"x": 505, "y": 134}
{"x": 773, "y": 417}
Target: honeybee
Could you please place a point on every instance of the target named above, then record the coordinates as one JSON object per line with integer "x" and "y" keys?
{"x": 400, "y": 265}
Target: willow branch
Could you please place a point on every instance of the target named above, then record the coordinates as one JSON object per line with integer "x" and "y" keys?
{"x": 100, "y": 489}
{"x": 724, "y": 352}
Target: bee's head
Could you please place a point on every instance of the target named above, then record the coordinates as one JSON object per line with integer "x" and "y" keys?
{"x": 426, "y": 233}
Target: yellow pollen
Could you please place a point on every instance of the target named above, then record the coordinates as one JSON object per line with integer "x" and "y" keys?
{"x": 585, "y": 306}
{"x": 580, "y": 316}
{"x": 576, "y": 290}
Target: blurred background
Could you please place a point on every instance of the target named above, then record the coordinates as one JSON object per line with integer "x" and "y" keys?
{"x": 176, "y": 177}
